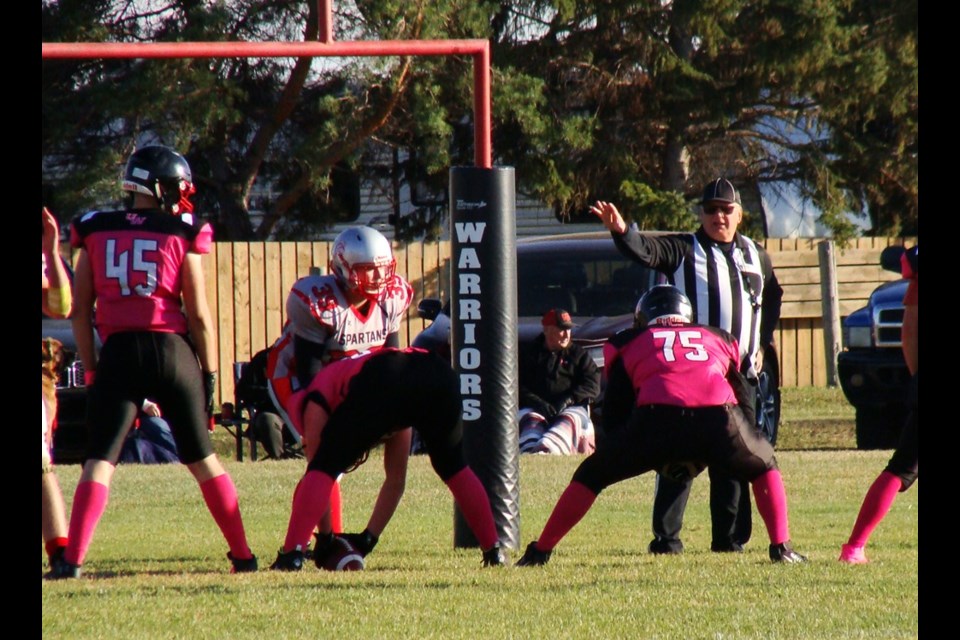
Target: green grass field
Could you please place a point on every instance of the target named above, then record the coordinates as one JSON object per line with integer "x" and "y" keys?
{"x": 157, "y": 566}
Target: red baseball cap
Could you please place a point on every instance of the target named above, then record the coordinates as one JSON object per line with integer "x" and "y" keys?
{"x": 557, "y": 318}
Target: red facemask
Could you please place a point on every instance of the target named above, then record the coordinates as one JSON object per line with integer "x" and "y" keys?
{"x": 186, "y": 190}
{"x": 361, "y": 275}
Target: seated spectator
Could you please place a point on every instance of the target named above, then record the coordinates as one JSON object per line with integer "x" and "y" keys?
{"x": 150, "y": 441}
{"x": 558, "y": 381}
{"x": 273, "y": 434}
{"x": 267, "y": 426}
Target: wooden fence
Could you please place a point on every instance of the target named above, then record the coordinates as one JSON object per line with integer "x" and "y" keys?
{"x": 800, "y": 333}
{"x": 247, "y": 285}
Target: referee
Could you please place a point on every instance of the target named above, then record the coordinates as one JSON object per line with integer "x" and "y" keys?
{"x": 730, "y": 282}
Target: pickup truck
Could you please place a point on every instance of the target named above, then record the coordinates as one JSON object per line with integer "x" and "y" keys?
{"x": 872, "y": 371}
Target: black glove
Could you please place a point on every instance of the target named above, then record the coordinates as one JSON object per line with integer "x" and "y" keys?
{"x": 209, "y": 385}
{"x": 561, "y": 404}
{"x": 362, "y": 542}
{"x": 541, "y": 406}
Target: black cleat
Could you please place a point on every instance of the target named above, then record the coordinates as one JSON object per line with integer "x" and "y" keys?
{"x": 783, "y": 552}
{"x": 322, "y": 545}
{"x": 494, "y": 557}
{"x": 248, "y": 565}
{"x": 57, "y": 555}
{"x": 288, "y": 561}
{"x": 62, "y": 569}
{"x": 665, "y": 547}
{"x": 533, "y": 557}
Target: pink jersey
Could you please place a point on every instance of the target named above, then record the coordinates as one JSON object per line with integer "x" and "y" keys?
{"x": 137, "y": 258}
{"x": 332, "y": 383}
{"x": 318, "y": 311}
{"x": 679, "y": 365}
{"x": 910, "y": 270}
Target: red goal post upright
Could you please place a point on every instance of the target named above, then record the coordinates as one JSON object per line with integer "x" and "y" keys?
{"x": 490, "y": 433}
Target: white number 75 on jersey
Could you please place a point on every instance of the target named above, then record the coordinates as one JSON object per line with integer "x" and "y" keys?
{"x": 689, "y": 345}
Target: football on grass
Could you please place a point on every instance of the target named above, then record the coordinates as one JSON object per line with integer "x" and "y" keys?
{"x": 341, "y": 556}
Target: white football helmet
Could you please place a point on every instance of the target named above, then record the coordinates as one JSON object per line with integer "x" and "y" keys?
{"x": 363, "y": 259}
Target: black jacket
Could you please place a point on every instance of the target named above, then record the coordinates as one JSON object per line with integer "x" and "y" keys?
{"x": 560, "y": 378}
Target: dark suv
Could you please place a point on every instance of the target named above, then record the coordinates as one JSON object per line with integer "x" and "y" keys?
{"x": 585, "y": 274}
{"x": 872, "y": 371}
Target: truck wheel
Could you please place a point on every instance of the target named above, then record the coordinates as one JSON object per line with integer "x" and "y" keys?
{"x": 879, "y": 428}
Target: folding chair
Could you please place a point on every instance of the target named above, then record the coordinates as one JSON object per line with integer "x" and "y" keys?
{"x": 235, "y": 415}
{"x": 251, "y": 397}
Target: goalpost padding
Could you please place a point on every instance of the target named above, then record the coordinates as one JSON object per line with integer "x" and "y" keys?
{"x": 484, "y": 338}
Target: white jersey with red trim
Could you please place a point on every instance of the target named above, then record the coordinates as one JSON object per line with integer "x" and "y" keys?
{"x": 318, "y": 311}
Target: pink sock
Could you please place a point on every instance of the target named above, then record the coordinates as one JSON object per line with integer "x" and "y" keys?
{"x": 89, "y": 503}
{"x": 569, "y": 510}
{"x": 310, "y": 501}
{"x": 334, "y": 497}
{"x": 220, "y": 494}
{"x": 472, "y": 499}
{"x": 875, "y": 506}
{"x": 771, "y": 500}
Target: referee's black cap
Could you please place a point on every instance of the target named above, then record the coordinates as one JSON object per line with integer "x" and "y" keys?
{"x": 720, "y": 190}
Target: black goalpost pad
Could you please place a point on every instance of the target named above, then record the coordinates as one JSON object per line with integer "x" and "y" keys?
{"x": 483, "y": 293}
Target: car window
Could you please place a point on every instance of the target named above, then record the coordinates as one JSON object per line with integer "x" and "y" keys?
{"x": 588, "y": 283}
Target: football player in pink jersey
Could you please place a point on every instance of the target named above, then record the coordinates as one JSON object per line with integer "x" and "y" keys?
{"x": 141, "y": 268}
{"x": 903, "y": 469}
{"x": 675, "y": 402}
{"x": 355, "y": 402}
{"x": 355, "y": 309}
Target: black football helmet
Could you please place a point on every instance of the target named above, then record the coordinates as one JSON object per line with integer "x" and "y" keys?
{"x": 159, "y": 172}
{"x": 663, "y": 304}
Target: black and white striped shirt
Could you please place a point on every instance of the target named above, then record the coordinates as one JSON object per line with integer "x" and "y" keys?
{"x": 730, "y": 285}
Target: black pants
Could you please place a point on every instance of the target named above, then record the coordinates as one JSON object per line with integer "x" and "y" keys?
{"x": 905, "y": 461}
{"x": 720, "y": 438}
{"x": 395, "y": 390}
{"x": 730, "y": 510}
{"x": 147, "y": 364}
